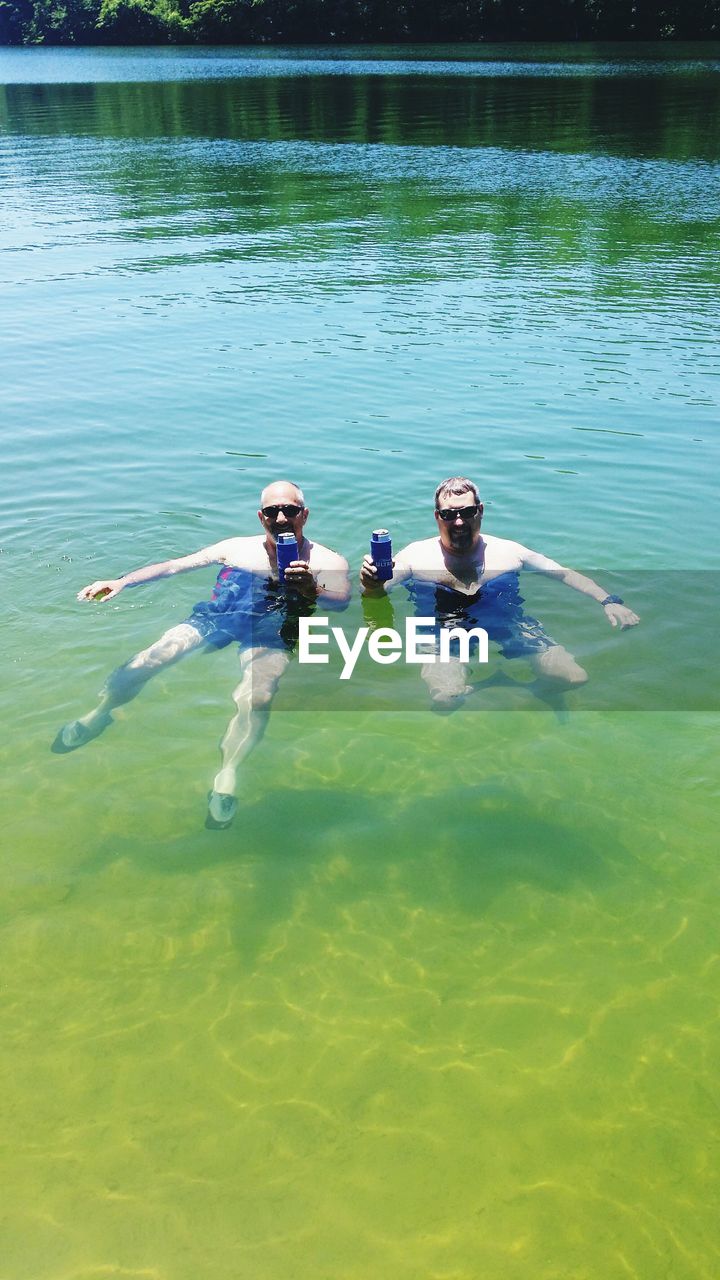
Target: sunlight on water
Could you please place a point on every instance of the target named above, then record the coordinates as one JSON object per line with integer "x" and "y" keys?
{"x": 442, "y": 1002}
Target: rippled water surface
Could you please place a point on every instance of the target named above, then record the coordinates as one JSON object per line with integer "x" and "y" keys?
{"x": 443, "y": 1002}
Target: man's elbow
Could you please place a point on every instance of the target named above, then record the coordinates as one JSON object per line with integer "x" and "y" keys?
{"x": 336, "y": 591}
{"x": 336, "y": 602}
{"x": 336, "y": 595}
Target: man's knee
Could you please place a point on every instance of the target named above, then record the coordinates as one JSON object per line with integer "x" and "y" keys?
{"x": 578, "y": 675}
{"x": 444, "y": 702}
{"x": 260, "y": 682}
{"x": 446, "y": 683}
{"x": 557, "y": 664}
{"x": 124, "y": 682}
{"x": 171, "y": 646}
{"x": 262, "y": 695}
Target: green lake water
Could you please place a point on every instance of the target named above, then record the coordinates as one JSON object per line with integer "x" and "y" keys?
{"x": 442, "y": 1004}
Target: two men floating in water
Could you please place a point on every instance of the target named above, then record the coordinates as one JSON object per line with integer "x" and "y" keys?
{"x": 461, "y": 578}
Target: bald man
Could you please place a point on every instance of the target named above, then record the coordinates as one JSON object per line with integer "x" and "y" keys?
{"x": 249, "y": 606}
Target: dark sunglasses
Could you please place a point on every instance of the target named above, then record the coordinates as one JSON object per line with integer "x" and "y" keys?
{"x": 289, "y": 510}
{"x": 448, "y": 514}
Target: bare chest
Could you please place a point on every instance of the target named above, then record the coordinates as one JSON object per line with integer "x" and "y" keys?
{"x": 467, "y": 580}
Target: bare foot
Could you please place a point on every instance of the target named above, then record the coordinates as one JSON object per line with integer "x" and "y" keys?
{"x": 75, "y": 734}
{"x": 221, "y": 811}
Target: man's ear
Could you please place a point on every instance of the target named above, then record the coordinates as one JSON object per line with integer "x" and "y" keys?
{"x": 261, "y": 518}
{"x": 306, "y": 513}
{"x": 481, "y": 510}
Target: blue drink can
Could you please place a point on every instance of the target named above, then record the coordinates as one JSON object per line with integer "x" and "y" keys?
{"x": 381, "y": 553}
{"x": 287, "y": 551}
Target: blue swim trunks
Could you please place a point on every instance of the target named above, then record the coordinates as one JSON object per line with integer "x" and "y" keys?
{"x": 251, "y": 609}
{"x": 497, "y": 607}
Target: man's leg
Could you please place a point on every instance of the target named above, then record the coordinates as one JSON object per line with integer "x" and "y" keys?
{"x": 446, "y": 683}
{"x": 558, "y": 665}
{"x": 125, "y": 683}
{"x": 262, "y": 669}
{"x": 525, "y": 637}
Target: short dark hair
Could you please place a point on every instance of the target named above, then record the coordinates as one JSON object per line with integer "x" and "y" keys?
{"x": 456, "y": 486}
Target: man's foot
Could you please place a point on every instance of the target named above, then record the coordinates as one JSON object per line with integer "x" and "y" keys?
{"x": 221, "y": 811}
{"x": 75, "y": 734}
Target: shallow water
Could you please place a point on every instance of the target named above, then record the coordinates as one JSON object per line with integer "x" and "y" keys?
{"x": 443, "y": 1001}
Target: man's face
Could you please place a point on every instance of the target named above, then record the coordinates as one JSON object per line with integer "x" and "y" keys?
{"x": 274, "y": 519}
{"x": 458, "y": 518}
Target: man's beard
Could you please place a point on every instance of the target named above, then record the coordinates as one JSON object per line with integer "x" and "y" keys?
{"x": 461, "y": 537}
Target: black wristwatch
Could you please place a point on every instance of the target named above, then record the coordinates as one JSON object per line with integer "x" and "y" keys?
{"x": 611, "y": 600}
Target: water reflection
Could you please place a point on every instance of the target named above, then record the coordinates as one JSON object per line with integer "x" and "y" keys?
{"x": 669, "y": 116}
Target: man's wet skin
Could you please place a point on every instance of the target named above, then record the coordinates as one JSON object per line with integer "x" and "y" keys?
{"x": 257, "y": 626}
{"x": 460, "y": 561}
{"x": 461, "y": 536}
{"x": 458, "y": 520}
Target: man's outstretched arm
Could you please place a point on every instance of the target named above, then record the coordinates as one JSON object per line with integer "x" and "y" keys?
{"x": 107, "y": 588}
{"x": 616, "y": 614}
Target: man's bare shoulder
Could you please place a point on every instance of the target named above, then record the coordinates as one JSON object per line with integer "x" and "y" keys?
{"x": 504, "y": 549}
{"x": 325, "y": 558}
{"x": 492, "y": 540}
{"x": 424, "y": 554}
{"x": 242, "y": 553}
{"x": 503, "y": 554}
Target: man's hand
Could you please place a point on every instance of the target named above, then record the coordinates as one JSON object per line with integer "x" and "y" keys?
{"x": 299, "y": 576}
{"x": 102, "y": 590}
{"x": 369, "y": 580}
{"x": 618, "y": 615}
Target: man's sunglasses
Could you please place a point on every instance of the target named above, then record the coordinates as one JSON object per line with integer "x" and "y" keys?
{"x": 448, "y": 514}
{"x": 289, "y": 510}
